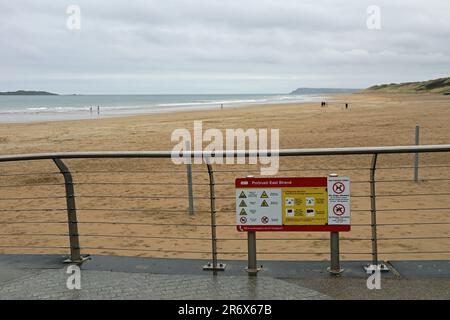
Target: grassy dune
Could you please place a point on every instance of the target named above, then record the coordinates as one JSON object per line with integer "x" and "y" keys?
{"x": 440, "y": 86}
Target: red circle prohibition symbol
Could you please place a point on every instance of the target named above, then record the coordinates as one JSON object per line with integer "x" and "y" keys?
{"x": 243, "y": 220}
{"x": 265, "y": 220}
{"x": 338, "y": 209}
{"x": 338, "y": 187}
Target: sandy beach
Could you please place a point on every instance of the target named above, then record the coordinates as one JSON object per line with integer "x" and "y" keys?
{"x": 160, "y": 195}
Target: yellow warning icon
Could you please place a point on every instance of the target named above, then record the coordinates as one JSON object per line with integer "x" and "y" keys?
{"x": 242, "y": 204}
{"x": 264, "y": 195}
{"x": 243, "y": 212}
{"x": 264, "y": 204}
{"x": 242, "y": 195}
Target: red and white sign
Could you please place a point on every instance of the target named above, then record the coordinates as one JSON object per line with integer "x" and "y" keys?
{"x": 259, "y": 203}
{"x": 338, "y": 201}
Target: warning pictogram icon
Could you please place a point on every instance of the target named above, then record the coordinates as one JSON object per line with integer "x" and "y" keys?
{"x": 243, "y": 220}
{"x": 264, "y": 195}
{"x": 242, "y": 204}
{"x": 243, "y": 212}
{"x": 265, "y": 220}
{"x": 338, "y": 188}
{"x": 339, "y": 209}
{"x": 264, "y": 204}
{"x": 242, "y": 195}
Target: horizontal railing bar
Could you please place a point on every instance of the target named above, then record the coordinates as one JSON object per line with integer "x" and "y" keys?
{"x": 138, "y": 183}
{"x": 341, "y": 239}
{"x": 219, "y": 239}
{"x": 154, "y": 224}
{"x": 118, "y": 223}
{"x": 412, "y": 223}
{"x": 182, "y": 184}
{"x": 99, "y": 235}
{"x": 409, "y": 209}
{"x": 32, "y": 198}
{"x": 28, "y": 174}
{"x": 142, "y": 237}
{"x": 33, "y": 234}
{"x": 292, "y": 239}
{"x": 30, "y": 210}
{"x": 141, "y": 197}
{"x": 332, "y": 169}
{"x": 107, "y": 196}
{"x": 415, "y": 238}
{"x": 219, "y": 171}
{"x": 291, "y": 253}
{"x": 31, "y": 185}
{"x": 33, "y": 247}
{"x": 134, "y": 171}
{"x": 232, "y": 153}
{"x": 143, "y": 250}
{"x": 33, "y": 222}
{"x": 406, "y": 195}
{"x": 151, "y": 210}
{"x": 416, "y": 252}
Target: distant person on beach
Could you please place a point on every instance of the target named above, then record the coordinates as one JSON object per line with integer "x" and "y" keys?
{"x": 346, "y": 106}
{"x": 90, "y": 110}
{"x": 98, "y": 109}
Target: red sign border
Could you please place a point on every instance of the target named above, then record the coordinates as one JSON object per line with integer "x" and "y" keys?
{"x": 281, "y": 182}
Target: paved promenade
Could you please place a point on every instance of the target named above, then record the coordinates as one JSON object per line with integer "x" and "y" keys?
{"x": 44, "y": 277}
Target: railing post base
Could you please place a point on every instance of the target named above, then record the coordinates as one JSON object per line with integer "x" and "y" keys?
{"x": 78, "y": 262}
{"x": 218, "y": 267}
{"x": 372, "y": 267}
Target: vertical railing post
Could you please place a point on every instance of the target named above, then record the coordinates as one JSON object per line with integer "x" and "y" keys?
{"x": 373, "y": 210}
{"x": 75, "y": 255}
{"x": 189, "y": 180}
{"x": 214, "y": 266}
{"x": 252, "y": 268}
{"x": 375, "y": 265}
{"x": 416, "y": 156}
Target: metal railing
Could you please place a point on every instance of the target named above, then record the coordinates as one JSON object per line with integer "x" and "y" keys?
{"x": 135, "y": 217}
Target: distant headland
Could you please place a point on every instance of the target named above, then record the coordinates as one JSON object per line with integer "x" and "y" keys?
{"x": 322, "y": 90}
{"x": 27, "y": 93}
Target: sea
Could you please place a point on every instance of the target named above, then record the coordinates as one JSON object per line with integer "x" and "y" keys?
{"x": 22, "y": 109}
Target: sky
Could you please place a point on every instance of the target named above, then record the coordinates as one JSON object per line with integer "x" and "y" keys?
{"x": 209, "y": 46}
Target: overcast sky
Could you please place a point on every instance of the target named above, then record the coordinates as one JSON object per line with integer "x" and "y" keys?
{"x": 226, "y": 46}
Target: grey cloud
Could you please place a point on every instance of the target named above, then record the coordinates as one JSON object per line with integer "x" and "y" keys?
{"x": 232, "y": 46}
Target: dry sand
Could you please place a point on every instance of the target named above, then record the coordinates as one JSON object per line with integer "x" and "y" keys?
{"x": 160, "y": 225}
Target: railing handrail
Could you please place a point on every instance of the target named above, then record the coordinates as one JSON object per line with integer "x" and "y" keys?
{"x": 232, "y": 153}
